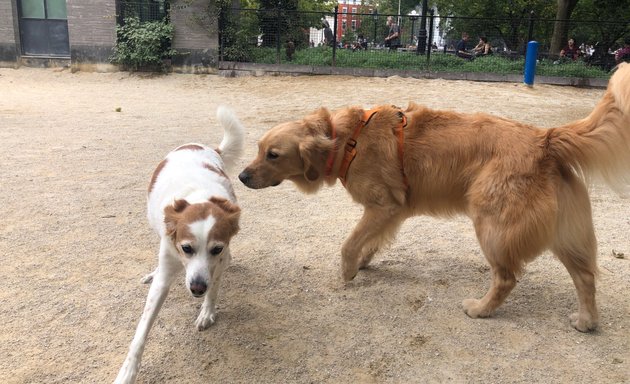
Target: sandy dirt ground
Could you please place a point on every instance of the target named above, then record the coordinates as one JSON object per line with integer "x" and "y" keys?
{"x": 74, "y": 244}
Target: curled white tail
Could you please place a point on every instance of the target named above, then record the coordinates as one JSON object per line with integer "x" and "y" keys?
{"x": 231, "y": 147}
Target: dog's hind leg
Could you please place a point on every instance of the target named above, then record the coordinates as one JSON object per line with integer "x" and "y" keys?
{"x": 505, "y": 259}
{"x": 503, "y": 281}
{"x": 576, "y": 247}
{"x": 158, "y": 291}
{"x": 587, "y": 318}
{"x": 378, "y": 226}
{"x": 515, "y": 221}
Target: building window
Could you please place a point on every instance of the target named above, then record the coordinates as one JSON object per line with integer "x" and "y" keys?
{"x": 143, "y": 10}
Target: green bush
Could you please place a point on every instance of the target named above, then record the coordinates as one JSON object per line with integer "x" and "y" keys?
{"x": 143, "y": 44}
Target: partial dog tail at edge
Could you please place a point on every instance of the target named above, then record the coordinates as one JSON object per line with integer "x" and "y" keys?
{"x": 598, "y": 147}
{"x": 231, "y": 147}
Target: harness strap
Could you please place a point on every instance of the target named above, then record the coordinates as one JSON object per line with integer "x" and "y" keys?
{"x": 400, "y": 132}
{"x": 350, "y": 151}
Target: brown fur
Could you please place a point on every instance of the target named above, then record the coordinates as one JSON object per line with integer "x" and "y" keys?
{"x": 226, "y": 180}
{"x": 155, "y": 174}
{"x": 181, "y": 214}
{"x": 523, "y": 187}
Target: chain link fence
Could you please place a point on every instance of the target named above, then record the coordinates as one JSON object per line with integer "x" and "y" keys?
{"x": 277, "y": 36}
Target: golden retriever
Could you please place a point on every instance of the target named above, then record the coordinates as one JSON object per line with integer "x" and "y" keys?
{"x": 524, "y": 188}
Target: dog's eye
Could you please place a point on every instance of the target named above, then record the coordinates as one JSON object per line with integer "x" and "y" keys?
{"x": 187, "y": 249}
{"x": 271, "y": 155}
{"x": 216, "y": 250}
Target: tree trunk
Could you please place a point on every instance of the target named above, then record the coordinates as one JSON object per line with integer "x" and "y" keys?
{"x": 561, "y": 26}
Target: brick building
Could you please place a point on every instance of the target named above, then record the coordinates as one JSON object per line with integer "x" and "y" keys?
{"x": 347, "y": 15}
{"x": 82, "y": 34}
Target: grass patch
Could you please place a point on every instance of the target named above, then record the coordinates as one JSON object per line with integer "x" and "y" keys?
{"x": 440, "y": 62}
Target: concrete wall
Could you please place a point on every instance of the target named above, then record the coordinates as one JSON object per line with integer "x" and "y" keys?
{"x": 92, "y": 35}
{"x": 9, "y": 47}
{"x": 92, "y": 30}
{"x": 196, "y": 38}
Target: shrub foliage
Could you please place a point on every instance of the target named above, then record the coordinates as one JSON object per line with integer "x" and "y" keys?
{"x": 143, "y": 44}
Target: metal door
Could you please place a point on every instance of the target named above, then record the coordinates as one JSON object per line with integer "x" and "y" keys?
{"x": 44, "y": 27}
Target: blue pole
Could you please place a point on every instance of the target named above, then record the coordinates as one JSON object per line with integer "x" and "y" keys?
{"x": 530, "y": 62}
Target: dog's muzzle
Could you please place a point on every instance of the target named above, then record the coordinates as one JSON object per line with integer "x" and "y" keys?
{"x": 246, "y": 178}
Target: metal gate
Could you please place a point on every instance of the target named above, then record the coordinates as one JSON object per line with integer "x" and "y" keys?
{"x": 44, "y": 27}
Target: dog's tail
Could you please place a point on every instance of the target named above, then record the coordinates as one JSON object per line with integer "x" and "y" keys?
{"x": 231, "y": 147}
{"x": 599, "y": 145}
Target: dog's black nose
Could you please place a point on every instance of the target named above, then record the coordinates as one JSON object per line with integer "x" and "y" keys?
{"x": 198, "y": 288}
{"x": 244, "y": 177}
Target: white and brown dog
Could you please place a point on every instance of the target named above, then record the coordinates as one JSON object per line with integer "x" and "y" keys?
{"x": 192, "y": 207}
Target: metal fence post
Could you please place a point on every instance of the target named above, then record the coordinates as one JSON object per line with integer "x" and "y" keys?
{"x": 334, "y": 56}
{"x": 530, "y": 31}
{"x": 221, "y": 32}
{"x": 430, "y": 42}
{"x": 278, "y": 21}
{"x": 422, "y": 33}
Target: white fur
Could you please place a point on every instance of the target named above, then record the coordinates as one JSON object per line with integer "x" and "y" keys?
{"x": 185, "y": 175}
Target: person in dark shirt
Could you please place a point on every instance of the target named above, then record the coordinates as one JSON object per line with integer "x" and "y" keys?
{"x": 393, "y": 37}
{"x": 571, "y": 51}
{"x": 328, "y": 34}
{"x": 623, "y": 53}
{"x": 461, "y": 50}
{"x": 483, "y": 48}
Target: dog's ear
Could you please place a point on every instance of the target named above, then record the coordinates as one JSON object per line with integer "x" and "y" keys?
{"x": 226, "y": 205}
{"x": 411, "y": 107}
{"x": 172, "y": 213}
{"x": 313, "y": 151}
{"x": 232, "y": 213}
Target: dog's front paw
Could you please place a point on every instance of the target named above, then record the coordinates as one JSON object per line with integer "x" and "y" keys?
{"x": 205, "y": 319}
{"x": 348, "y": 270}
{"x": 583, "y": 323}
{"x": 148, "y": 278}
{"x": 474, "y": 308}
{"x": 349, "y": 273}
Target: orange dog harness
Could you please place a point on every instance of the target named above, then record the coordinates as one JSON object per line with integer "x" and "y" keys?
{"x": 350, "y": 151}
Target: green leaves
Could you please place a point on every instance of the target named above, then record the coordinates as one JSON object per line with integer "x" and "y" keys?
{"x": 143, "y": 44}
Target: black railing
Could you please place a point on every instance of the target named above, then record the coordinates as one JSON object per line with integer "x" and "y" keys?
{"x": 276, "y": 36}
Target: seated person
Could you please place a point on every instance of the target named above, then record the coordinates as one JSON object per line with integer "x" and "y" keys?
{"x": 482, "y": 48}
{"x": 361, "y": 43}
{"x": 623, "y": 53}
{"x": 461, "y": 50}
{"x": 571, "y": 51}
